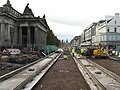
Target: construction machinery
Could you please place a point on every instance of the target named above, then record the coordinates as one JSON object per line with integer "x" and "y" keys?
{"x": 98, "y": 53}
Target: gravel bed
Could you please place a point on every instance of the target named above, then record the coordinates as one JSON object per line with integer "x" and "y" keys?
{"x": 64, "y": 75}
{"x": 111, "y": 65}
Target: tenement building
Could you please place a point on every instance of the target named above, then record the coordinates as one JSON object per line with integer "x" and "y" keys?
{"x": 22, "y": 30}
{"x": 108, "y": 32}
{"x": 104, "y": 34}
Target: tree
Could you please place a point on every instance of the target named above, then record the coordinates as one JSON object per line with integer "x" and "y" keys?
{"x": 52, "y": 39}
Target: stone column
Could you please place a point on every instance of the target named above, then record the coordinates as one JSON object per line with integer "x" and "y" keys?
{"x": 28, "y": 37}
{"x": 0, "y": 36}
{"x": 36, "y": 39}
{"x": 20, "y": 36}
{"x": 2, "y": 33}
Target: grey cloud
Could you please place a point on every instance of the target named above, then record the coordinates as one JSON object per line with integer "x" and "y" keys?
{"x": 65, "y": 36}
{"x": 67, "y": 21}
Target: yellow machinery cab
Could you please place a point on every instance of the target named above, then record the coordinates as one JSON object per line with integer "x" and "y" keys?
{"x": 98, "y": 52}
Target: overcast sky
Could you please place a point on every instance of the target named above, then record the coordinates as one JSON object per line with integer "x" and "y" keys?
{"x": 68, "y": 18}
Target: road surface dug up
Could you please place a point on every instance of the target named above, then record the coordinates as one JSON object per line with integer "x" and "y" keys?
{"x": 64, "y": 75}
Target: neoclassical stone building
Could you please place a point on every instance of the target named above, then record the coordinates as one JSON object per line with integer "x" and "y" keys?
{"x": 22, "y": 30}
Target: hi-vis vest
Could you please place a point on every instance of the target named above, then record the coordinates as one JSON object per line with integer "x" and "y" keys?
{"x": 73, "y": 51}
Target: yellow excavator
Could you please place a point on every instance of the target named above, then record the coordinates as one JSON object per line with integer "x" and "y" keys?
{"x": 98, "y": 53}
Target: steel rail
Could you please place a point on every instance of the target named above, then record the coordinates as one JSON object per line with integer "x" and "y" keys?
{"x": 29, "y": 79}
{"x": 91, "y": 76}
{"x": 8, "y": 75}
{"x": 108, "y": 72}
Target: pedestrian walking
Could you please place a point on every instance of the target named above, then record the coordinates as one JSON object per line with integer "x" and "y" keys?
{"x": 73, "y": 51}
{"x": 82, "y": 51}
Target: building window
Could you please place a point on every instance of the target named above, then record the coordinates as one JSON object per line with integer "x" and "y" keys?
{"x": 109, "y": 37}
{"x": 18, "y": 35}
{"x": 0, "y": 30}
{"x": 0, "y": 26}
{"x": 115, "y": 22}
{"x": 114, "y": 38}
{"x": 108, "y": 30}
{"x": 115, "y": 29}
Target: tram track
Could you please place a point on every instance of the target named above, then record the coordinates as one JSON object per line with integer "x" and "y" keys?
{"x": 113, "y": 75}
{"x": 39, "y": 76}
{"x": 18, "y": 78}
{"x": 101, "y": 77}
{"x": 96, "y": 83}
{"x": 28, "y": 76}
{"x": 63, "y": 75}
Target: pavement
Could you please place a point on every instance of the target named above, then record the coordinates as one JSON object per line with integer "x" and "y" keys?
{"x": 114, "y": 57}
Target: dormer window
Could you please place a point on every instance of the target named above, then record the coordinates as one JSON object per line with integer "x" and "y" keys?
{"x": 115, "y": 22}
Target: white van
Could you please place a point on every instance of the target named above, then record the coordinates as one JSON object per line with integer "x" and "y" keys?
{"x": 14, "y": 51}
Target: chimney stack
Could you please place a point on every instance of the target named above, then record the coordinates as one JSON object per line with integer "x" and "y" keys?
{"x": 117, "y": 14}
